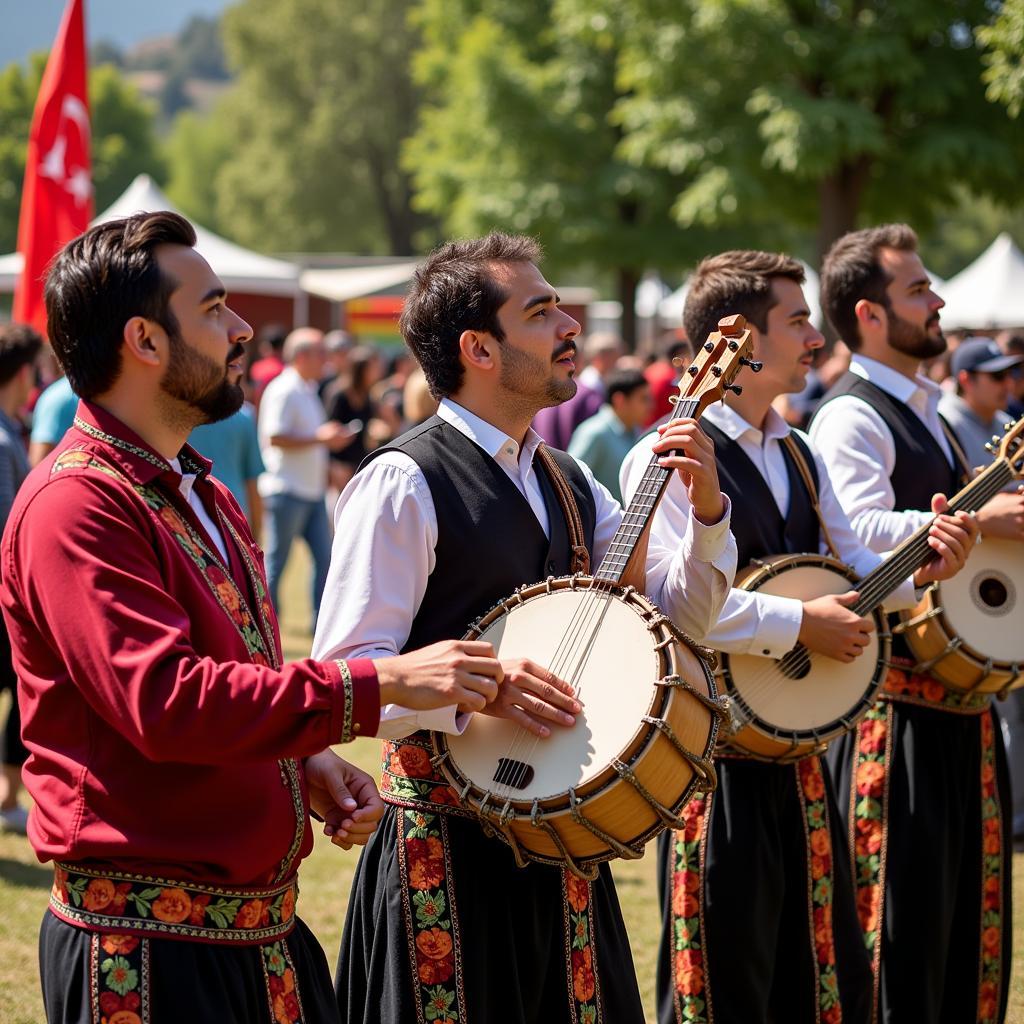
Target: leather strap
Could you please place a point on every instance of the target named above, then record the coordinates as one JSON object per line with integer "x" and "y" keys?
{"x": 577, "y": 540}
{"x": 959, "y": 455}
{"x": 805, "y": 474}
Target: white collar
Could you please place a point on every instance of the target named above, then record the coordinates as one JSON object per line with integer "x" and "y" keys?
{"x": 734, "y": 426}
{"x": 896, "y": 384}
{"x": 486, "y": 435}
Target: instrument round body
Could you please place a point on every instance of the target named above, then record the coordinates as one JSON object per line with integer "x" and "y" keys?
{"x": 785, "y": 709}
{"x": 642, "y": 744}
{"x": 968, "y": 631}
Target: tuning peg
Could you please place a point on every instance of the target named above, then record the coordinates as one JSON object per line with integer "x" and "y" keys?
{"x": 990, "y": 448}
{"x": 693, "y": 371}
{"x": 754, "y": 364}
{"x": 709, "y": 346}
{"x": 736, "y": 389}
{"x": 996, "y": 439}
{"x": 733, "y": 345}
{"x": 1008, "y": 427}
{"x": 716, "y": 371}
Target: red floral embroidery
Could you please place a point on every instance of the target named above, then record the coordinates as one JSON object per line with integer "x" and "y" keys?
{"x": 584, "y": 1000}
{"x": 992, "y": 868}
{"x": 692, "y": 1000}
{"x": 811, "y": 787}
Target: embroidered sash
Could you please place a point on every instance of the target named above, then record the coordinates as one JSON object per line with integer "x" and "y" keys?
{"x": 172, "y": 909}
{"x": 911, "y": 688}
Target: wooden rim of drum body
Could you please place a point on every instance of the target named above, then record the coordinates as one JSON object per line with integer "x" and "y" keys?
{"x": 948, "y": 657}
{"x": 763, "y": 740}
{"x": 665, "y": 638}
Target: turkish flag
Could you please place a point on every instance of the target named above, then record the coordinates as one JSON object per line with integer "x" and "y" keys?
{"x": 56, "y": 201}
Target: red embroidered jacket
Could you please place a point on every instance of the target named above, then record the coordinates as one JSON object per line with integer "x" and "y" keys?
{"x": 151, "y": 708}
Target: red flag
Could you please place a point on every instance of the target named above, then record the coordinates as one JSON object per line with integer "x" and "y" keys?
{"x": 56, "y": 202}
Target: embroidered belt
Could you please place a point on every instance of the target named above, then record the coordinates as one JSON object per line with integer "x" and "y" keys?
{"x": 904, "y": 685}
{"x": 107, "y": 901}
{"x": 408, "y": 778}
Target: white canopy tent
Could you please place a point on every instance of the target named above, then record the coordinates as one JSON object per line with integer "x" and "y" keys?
{"x": 988, "y": 294}
{"x": 240, "y": 269}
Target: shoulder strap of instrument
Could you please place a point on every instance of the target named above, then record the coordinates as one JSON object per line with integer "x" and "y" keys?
{"x": 577, "y": 539}
{"x": 959, "y": 455}
{"x": 797, "y": 454}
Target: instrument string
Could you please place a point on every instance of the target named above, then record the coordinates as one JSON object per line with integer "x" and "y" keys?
{"x": 577, "y": 641}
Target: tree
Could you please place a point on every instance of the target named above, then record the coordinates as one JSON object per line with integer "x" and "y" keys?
{"x": 312, "y": 126}
{"x": 1004, "y": 59}
{"x": 519, "y": 133}
{"x": 819, "y": 113}
{"x": 123, "y": 143}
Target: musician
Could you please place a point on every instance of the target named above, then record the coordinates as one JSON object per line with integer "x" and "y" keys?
{"x": 928, "y": 811}
{"x": 441, "y": 525}
{"x": 164, "y": 731}
{"x": 762, "y": 856}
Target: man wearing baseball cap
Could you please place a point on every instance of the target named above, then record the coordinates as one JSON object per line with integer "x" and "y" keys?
{"x": 984, "y": 376}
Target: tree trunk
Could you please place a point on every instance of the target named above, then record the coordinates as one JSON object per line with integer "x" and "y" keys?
{"x": 627, "y": 281}
{"x": 839, "y": 200}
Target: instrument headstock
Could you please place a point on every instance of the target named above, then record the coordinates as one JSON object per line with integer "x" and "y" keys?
{"x": 1010, "y": 446}
{"x": 716, "y": 364}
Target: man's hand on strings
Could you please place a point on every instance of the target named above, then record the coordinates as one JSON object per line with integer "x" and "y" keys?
{"x": 685, "y": 448}
{"x": 460, "y": 672}
{"x": 951, "y": 537}
{"x": 534, "y": 698}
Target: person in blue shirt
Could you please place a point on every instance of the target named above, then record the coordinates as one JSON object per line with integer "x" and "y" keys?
{"x": 604, "y": 440}
{"x": 234, "y": 449}
{"x": 52, "y": 417}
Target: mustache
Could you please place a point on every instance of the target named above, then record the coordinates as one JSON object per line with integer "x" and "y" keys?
{"x": 566, "y": 350}
{"x": 235, "y": 353}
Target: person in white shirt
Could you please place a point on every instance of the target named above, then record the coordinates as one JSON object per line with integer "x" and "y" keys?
{"x": 432, "y": 532}
{"x": 294, "y": 440}
{"x": 924, "y": 775}
{"x": 767, "y": 824}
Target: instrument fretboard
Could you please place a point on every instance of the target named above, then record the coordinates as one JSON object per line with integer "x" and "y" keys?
{"x": 638, "y": 513}
{"x": 878, "y": 584}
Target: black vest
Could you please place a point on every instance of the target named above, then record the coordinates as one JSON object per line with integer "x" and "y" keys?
{"x": 757, "y": 523}
{"x": 488, "y": 539}
{"x": 920, "y": 469}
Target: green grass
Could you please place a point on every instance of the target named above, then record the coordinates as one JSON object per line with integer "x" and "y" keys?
{"x": 326, "y": 877}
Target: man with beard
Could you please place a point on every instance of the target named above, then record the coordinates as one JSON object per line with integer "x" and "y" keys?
{"x": 442, "y": 524}
{"x": 164, "y": 732}
{"x": 785, "y": 944}
{"x": 922, "y": 780}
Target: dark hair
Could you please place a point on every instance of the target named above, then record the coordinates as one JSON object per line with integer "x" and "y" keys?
{"x": 361, "y": 358}
{"x": 623, "y": 382}
{"x": 454, "y": 290}
{"x": 98, "y": 282}
{"x": 739, "y": 281}
{"x": 273, "y": 336}
{"x": 19, "y": 346}
{"x": 852, "y": 272}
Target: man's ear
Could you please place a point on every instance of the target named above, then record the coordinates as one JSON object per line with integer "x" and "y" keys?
{"x": 478, "y": 349}
{"x": 144, "y": 341}
{"x": 867, "y": 313}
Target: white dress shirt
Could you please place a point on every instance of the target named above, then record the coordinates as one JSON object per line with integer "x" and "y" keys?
{"x": 754, "y": 623}
{"x": 187, "y": 489}
{"x": 860, "y": 453}
{"x": 291, "y": 406}
{"x": 383, "y": 554}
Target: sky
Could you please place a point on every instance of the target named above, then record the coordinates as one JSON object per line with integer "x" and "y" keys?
{"x": 28, "y": 25}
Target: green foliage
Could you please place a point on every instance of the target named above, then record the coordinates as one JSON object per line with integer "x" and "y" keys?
{"x": 814, "y": 113}
{"x": 307, "y": 137}
{"x": 1004, "y": 59}
{"x": 195, "y": 151}
{"x": 123, "y": 143}
{"x": 519, "y": 134}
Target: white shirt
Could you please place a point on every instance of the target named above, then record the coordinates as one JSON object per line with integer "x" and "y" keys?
{"x": 753, "y": 623}
{"x": 383, "y": 554}
{"x": 860, "y": 453}
{"x": 291, "y": 407}
{"x": 187, "y": 489}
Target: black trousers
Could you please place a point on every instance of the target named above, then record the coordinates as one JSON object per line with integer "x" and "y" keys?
{"x": 180, "y": 981}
